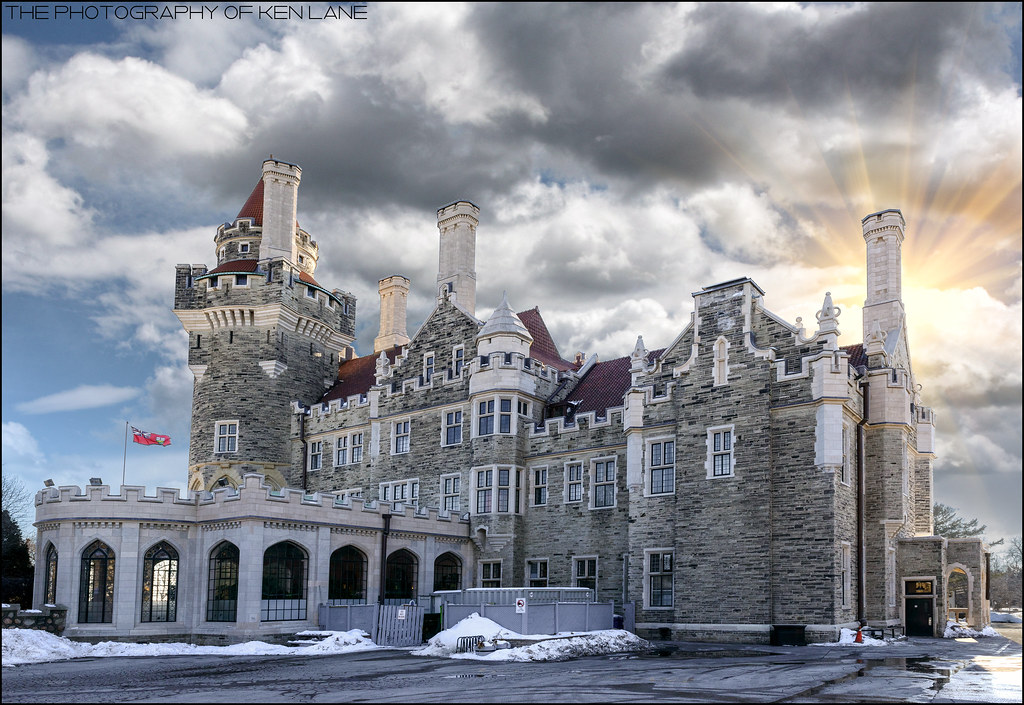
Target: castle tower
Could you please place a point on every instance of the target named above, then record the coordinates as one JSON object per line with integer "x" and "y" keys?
{"x": 394, "y": 299}
{"x": 263, "y": 333}
{"x": 456, "y": 272}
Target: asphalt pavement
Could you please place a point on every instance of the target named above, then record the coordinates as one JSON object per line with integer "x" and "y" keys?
{"x": 915, "y": 670}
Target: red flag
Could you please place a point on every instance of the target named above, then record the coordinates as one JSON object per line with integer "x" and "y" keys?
{"x": 149, "y": 439}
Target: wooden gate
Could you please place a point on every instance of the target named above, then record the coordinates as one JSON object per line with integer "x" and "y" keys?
{"x": 399, "y": 625}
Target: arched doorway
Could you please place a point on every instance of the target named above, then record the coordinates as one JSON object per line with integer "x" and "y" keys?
{"x": 958, "y": 595}
{"x": 400, "y": 577}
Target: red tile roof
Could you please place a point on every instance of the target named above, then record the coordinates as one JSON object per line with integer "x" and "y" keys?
{"x": 238, "y": 265}
{"x": 356, "y": 376}
{"x": 543, "y": 348}
{"x": 305, "y": 278}
{"x": 604, "y": 385}
{"x": 253, "y": 207}
{"x": 856, "y": 353}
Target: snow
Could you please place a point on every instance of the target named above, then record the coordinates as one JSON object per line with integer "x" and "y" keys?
{"x": 1005, "y": 617}
{"x": 958, "y": 630}
{"x": 34, "y": 646}
{"x": 547, "y": 647}
{"x": 848, "y": 637}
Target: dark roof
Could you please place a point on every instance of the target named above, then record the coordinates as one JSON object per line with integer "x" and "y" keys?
{"x": 238, "y": 265}
{"x": 856, "y": 353}
{"x": 543, "y": 348}
{"x": 356, "y": 376}
{"x": 253, "y": 207}
{"x": 604, "y": 385}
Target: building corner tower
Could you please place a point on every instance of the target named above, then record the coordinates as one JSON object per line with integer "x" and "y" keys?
{"x": 263, "y": 333}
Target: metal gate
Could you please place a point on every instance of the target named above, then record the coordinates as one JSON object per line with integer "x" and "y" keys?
{"x": 399, "y": 625}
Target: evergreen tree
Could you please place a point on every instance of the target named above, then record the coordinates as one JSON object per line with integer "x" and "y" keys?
{"x": 17, "y": 565}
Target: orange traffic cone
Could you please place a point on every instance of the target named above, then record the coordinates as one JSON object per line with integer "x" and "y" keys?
{"x": 860, "y": 638}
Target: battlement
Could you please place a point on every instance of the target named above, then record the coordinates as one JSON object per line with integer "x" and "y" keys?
{"x": 253, "y": 499}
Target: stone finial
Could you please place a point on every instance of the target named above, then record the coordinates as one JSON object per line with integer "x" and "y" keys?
{"x": 639, "y": 354}
{"x": 504, "y": 321}
{"x": 828, "y": 323}
{"x": 383, "y": 367}
{"x": 874, "y": 343}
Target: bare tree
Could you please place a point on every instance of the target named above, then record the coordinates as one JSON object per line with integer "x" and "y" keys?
{"x": 16, "y": 500}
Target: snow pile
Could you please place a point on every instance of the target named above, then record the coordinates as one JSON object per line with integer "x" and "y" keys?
{"x": 849, "y": 636}
{"x": 547, "y": 648}
{"x": 1005, "y": 617}
{"x": 34, "y": 646}
{"x": 958, "y": 630}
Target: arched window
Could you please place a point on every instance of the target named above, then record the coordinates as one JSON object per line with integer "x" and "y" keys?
{"x": 96, "y": 590}
{"x": 284, "y": 583}
{"x": 721, "y": 369}
{"x": 222, "y": 591}
{"x": 50, "y": 588}
{"x": 447, "y": 572}
{"x": 400, "y": 576}
{"x": 348, "y": 575}
{"x": 160, "y": 584}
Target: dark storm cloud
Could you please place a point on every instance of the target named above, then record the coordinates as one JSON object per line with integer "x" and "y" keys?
{"x": 877, "y": 52}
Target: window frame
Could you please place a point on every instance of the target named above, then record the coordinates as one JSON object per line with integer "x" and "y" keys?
{"x": 661, "y": 467}
{"x": 597, "y": 485}
{"x": 484, "y": 410}
{"x": 401, "y": 430}
{"x": 715, "y": 452}
{"x": 573, "y": 467}
{"x": 451, "y": 425}
{"x": 315, "y": 455}
{"x": 451, "y": 489}
{"x": 589, "y": 561}
{"x": 227, "y": 436}
{"x": 649, "y": 575}
{"x": 535, "y": 485}
{"x": 535, "y": 582}
{"x": 410, "y": 491}
{"x": 458, "y": 360}
{"x": 488, "y": 568}
{"x": 429, "y": 365}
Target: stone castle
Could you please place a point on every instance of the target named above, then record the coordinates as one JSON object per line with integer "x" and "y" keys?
{"x": 748, "y": 477}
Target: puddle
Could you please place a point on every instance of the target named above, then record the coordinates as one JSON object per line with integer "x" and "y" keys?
{"x": 676, "y": 652}
{"x": 471, "y": 675}
{"x": 940, "y": 672}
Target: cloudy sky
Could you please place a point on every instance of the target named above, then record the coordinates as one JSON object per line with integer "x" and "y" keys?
{"x": 623, "y": 156}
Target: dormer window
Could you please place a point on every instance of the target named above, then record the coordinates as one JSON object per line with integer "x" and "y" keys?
{"x": 310, "y": 292}
{"x": 241, "y": 280}
{"x": 213, "y": 282}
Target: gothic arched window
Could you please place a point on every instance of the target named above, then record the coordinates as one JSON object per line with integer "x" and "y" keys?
{"x": 96, "y": 589}
{"x": 400, "y": 576}
{"x": 222, "y": 593}
{"x": 160, "y": 584}
{"x": 50, "y": 588}
{"x": 447, "y": 572}
{"x": 284, "y": 583}
{"x": 348, "y": 575}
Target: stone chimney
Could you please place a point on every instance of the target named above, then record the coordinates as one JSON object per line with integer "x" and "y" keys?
{"x": 394, "y": 298}
{"x": 883, "y": 235}
{"x": 280, "y": 205}
{"x": 456, "y": 272}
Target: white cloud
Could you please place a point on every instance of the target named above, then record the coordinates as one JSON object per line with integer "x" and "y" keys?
{"x": 86, "y": 396}
{"x": 128, "y": 108}
{"x": 18, "y": 442}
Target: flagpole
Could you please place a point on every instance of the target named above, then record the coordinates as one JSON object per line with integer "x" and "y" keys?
{"x": 124, "y": 462}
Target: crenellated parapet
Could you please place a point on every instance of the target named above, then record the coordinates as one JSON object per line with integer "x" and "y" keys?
{"x": 253, "y": 499}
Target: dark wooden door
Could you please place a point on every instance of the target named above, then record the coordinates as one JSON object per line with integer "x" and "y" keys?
{"x": 919, "y": 616}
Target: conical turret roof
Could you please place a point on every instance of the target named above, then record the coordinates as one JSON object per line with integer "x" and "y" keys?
{"x": 253, "y": 207}
{"x": 504, "y": 321}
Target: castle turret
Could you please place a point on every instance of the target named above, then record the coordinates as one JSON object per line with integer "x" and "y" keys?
{"x": 263, "y": 333}
{"x": 456, "y": 272}
{"x": 394, "y": 298}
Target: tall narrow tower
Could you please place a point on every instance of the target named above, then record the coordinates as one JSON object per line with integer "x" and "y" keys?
{"x": 262, "y": 334}
{"x": 456, "y": 272}
{"x": 883, "y": 235}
